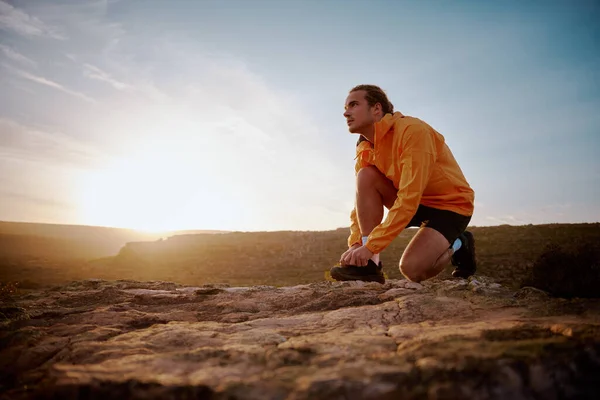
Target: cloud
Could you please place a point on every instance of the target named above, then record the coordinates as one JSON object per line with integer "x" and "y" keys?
{"x": 94, "y": 72}
{"x": 555, "y": 210}
{"x": 37, "y": 193}
{"x": 508, "y": 219}
{"x": 218, "y": 124}
{"x": 200, "y": 119}
{"x": 138, "y": 82}
{"x": 43, "y": 81}
{"x": 18, "y": 21}
{"x": 15, "y": 56}
{"x": 544, "y": 214}
{"x": 35, "y": 200}
{"x": 25, "y": 143}
{"x": 40, "y": 170}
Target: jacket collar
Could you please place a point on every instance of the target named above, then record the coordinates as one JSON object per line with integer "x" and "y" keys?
{"x": 386, "y": 124}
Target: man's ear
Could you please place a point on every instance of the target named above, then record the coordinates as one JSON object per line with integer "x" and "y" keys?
{"x": 378, "y": 108}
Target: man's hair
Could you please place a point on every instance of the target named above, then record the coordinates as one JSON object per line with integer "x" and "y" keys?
{"x": 374, "y": 94}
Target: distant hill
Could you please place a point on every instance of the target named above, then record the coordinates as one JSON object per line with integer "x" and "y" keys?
{"x": 77, "y": 231}
{"x": 254, "y": 258}
{"x": 72, "y": 231}
{"x": 47, "y": 253}
{"x": 83, "y": 241}
{"x": 289, "y": 257}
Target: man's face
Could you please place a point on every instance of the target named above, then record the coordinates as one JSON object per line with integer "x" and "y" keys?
{"x": 358, "y": 113}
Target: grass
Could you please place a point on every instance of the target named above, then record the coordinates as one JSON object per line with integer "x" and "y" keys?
{"x": 567, "y": 273}
{"x": 7, "y": 290}
{"x": 506, "y": 253}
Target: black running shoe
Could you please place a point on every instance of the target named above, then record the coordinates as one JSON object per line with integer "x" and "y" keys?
{"x": 369, "y": 273}
{"x": 464, "y": 258}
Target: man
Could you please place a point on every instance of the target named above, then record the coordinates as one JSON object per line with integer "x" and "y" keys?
{"x": 403, "y": 164}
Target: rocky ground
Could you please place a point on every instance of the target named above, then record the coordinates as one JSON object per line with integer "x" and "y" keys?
{"x": 468, "y": 339}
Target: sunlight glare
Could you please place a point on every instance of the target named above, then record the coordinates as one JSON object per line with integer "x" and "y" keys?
{"x": 154, "y": 192}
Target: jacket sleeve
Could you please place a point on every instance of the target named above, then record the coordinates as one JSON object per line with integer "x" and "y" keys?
{"x": 417, "y": 159}
{"x": 355, "y": 236}
{"x": 361, "y": 161}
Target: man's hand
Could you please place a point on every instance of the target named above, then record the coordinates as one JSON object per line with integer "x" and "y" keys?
{"x": 347, "y": 252}
{"x": 356, "y": 255}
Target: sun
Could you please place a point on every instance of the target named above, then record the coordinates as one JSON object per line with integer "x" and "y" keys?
{"x": 129, "y": 193}
{"x": 177, "y": 176}
{"x": 152, "y": 193}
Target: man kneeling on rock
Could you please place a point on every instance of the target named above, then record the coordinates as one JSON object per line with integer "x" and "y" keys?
{"x": 404, "y": 164}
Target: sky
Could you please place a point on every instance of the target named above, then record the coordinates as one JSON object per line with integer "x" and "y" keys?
{"x": 228, "y": 114}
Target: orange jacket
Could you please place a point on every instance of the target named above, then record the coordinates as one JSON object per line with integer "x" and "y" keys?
{"x": 415, "y": 157}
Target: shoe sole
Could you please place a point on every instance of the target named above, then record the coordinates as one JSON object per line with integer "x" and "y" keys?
{"x": 459, "y": 273}
{"x": 338, "y": 276}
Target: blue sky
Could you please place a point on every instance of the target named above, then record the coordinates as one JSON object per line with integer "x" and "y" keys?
{"x": 228, "y": 114}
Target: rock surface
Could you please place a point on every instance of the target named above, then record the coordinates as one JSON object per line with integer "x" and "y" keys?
{"x": 447, "y": 339}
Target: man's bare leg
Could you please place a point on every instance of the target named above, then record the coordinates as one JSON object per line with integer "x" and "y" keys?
{"x": 427, "y": 254}
{"x": 373, "y": 191}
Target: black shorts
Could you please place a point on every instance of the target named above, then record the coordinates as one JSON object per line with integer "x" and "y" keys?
{"x": 448, "y": 223}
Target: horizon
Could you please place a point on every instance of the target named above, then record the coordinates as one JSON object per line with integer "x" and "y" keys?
{"x": 172, "y": 116}
{"x": 149, "y": 232}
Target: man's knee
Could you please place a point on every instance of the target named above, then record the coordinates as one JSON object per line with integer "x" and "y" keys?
{"x": 413, "y": 271}
{"x": 368, "y": 176}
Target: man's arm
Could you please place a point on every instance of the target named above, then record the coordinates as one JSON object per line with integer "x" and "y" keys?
{"x": 355, "y": 236}
{"x": 417, "y": 160}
